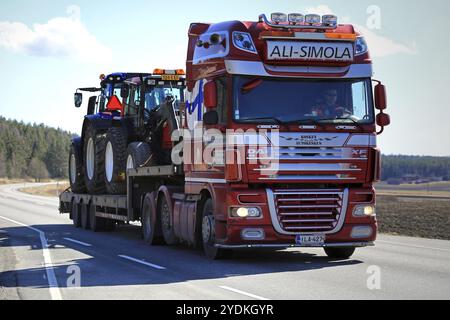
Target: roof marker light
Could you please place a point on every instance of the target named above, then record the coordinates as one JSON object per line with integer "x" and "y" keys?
{"x": 312, "y": 18}
{"x": 296, "y": 18}
{"x": 329, "y": 20}
{"x": 279, "y": 17}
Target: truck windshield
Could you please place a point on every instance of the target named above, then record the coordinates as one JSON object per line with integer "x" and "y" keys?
{"x": 157, "y": 95}
{"x": 269, "y": 100}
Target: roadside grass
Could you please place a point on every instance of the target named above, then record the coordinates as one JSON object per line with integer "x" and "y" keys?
{"x": 439, "y": 189}
{"x": 424, "y": 218}
{"x": 52, "y": 190}
{"x": 4, "y": 181}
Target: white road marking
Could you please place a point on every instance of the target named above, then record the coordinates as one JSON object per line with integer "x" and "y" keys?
{"x": 143, "y": 262}
{"x": 412, "y": 246}
{"x": 78, "y": 242}
{"x": 55, "y": 293}
{"x": 243, "y": 293}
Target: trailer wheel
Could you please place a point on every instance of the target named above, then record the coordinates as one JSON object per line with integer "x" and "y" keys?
{"x": 208, "y": 234}
{"x": 150, "y": 224}
{"x": 339, "y": 253}
{"x": 75, "y": 212}
{"x": 96, "y": 223}
{"x": 76, "y": 176}
{"x": 115, "y": 161}
{"x": 85, "y": 216}
{"x": 94, "y": 161}
{"x": 139, "y": 154}
{"x": 166, "y": 225}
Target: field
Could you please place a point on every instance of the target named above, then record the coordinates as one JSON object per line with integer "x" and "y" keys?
{"x": 437, "y": 189}
{"x": 52, "y": 190}
{"x": 416, "y": 217}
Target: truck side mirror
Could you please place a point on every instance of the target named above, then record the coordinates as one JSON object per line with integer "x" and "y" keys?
{"x": 210, "y": 99}
{"x": 380, "y": 97}
{"x": 211, "y": 118}
{"x": 78, "y": 99}
{"x": 383, "y": 120}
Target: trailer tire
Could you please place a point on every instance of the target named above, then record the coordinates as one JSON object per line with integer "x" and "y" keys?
{"x": 76, "y": 176}
{"x": 94, "y": 161}
{"x": 151, "y": 227}
{"x": 75, "y": 213}
{"x": 163, "y": 211}
{"x": 115, "y": 161}
{"x": 340, "y": 253}
{"x": 96, "y": 223}
{"x": 84, "y": 216}
{"x": 139, "y": 154}
{"x": 208, "y": 234}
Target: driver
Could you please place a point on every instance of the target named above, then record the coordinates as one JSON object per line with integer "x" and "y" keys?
{"x": 328, "y": 107}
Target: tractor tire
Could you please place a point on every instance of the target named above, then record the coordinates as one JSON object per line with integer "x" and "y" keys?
{"x": 94, "y": 161}
{"x": 76, "y": 176}
{"x": 115, "y": 161}
{"x": 139, "y": 154}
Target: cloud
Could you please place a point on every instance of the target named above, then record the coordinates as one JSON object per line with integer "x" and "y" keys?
{"x": 59, "y": 37}
{"x": 379, "y": 46}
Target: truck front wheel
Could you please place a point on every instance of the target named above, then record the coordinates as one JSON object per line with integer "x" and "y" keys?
{"x": 150, "y": 225}
{"x": 340, "y": 253}
{"x": 208, "y": 234}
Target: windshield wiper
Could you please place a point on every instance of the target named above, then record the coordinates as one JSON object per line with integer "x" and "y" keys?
{"x": 278, "y": 121}
{"x": 352, "y": 120}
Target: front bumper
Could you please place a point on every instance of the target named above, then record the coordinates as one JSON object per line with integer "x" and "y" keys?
{"x": 287, "y": 246}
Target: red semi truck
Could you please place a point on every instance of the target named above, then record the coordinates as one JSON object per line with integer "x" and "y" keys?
{"x": 274, "y": 147}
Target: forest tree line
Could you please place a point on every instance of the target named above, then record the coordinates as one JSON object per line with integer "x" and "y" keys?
{"x": 38, "y": 151}
{"x": 33, "y": 151}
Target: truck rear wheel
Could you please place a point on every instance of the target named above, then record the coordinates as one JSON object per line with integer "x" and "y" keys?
{"x": 115, "y": 161}
{"x": 96, "y": 223}
{"x": 76, "y": 176}
{"x": 166, "y": 223}
{"x": 151, "y": 232}
{"x": 75, "y": 212}
{"x": 94, "y": 161}
{"x": 138, "y": 155}
{"x": 208, "y": 234}
{"x": 340, "y": 253}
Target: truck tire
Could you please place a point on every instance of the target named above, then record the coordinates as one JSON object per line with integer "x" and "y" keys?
{"x": 115, "y": 161}
{"x": 94, "y": 161}
{"x": 151, "y": 228}
{"x": 339, "y": 253}
{"x": 84, "y": 216}
{"x": 139, "y": 154}
{"x": 208, "y": 234}
{"x": 166, "y": 226}
{"x": 76, "y": 176}
{"x": 75, "y": 213}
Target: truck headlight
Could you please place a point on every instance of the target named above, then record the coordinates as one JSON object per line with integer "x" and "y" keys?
{"x": 364, "y": 211}
{"x": 246, "y": 212}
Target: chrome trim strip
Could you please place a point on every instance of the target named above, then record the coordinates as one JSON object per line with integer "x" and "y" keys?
{"x": 276, "y": 222}
{"x": 306, "y": 178}
{"x": 286, "y": 246}
{"x": 203, "y": 180}
{"x": 257, "y": 68}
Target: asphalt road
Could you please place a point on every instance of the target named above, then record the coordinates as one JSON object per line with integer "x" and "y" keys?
{"x": 43, "y": 257}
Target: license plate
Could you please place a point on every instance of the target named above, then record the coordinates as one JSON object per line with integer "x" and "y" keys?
{"x": 170, "y": 77}
{"x": 310, "y": 51}
{"x": 317, "y": 240}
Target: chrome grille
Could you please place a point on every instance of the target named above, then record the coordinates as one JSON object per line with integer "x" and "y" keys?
{"x": 300, "y": 211}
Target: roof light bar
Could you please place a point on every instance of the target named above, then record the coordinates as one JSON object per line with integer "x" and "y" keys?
{"x": 279, "y": 17}
{"x": 330, "y": 20}
{"x": 312, "y": 18}
{"x": 296, "y": 18}
{"x": 299, "y": 21}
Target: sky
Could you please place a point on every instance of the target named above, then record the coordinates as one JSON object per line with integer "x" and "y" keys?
{"x": 48, "y": 48}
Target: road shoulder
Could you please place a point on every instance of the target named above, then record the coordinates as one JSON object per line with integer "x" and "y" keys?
{"x": 8, "y": 278}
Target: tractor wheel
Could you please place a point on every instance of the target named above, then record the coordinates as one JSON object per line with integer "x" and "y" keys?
{"x": 76, "y": 176}
{"x": 139, "y": 154}
{"x": 94, "y": 161}
{"x": 115, "y": 161}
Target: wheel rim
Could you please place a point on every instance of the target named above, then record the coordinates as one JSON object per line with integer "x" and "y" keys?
{"x": 90, "y": 159}
{"x": 109, "y": 162}
{"x": 130, "y": 162}
{"x": 72, "y": 169}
